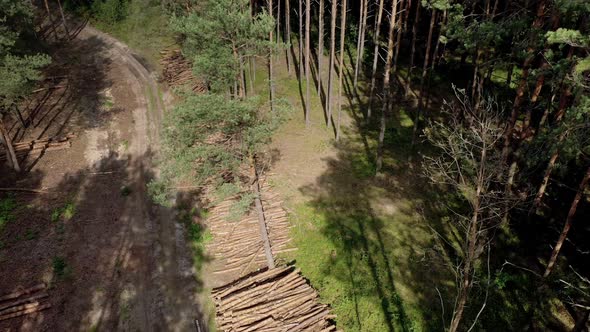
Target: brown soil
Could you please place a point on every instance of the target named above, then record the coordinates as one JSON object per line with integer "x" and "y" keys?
{"x": 117, "y": 262}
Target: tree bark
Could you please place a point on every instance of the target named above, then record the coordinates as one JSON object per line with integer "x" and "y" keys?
{"x": 375, "y": 58}
{"x": 300, "y": 37}
{"x": 11, "y": 155}
{"x": 413, "y": 49}
{"x": 341, "y": 65}
{"x": 424, "y": 73}
{"x": 320, "y": 51}
{"x": 386, "y": 86}
{"x": 567, "y": 225}
{"x": 270, "y": 65}
{"x": 307, "y": 60}
{"x": 398, "y": 39}
{"x": 361, "y": 40}
{"x": 288, "y": 34}
{"x": 331, "y": 62}
{"x": 522, "y": 85}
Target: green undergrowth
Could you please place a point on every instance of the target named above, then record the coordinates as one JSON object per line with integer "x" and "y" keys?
{"x": 144, "y": 29}
{"x": 7, "y": 207}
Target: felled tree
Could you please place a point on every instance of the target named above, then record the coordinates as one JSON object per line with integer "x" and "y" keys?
{"x": 208, "y": 137}
{"x": 220, "y": 37}
{"x": 469, "y": 163}
{"x": 18, "y": 69}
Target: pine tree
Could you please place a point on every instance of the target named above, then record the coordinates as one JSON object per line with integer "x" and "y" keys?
{"x": 386, "y": 86}
{"x": 333, "y": 14}
{"x": 376, "y": 42}
{"x": 361, "y": 39}
{"x": 320, "y": 51}
{"x": 341, "y": 65}
{"x": 307, "y": 61}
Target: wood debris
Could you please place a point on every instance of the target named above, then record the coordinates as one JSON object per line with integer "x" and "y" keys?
{"x": 177, "y": 71}
{"x": 238, "y": 247}
{"x": 23, "y": 149}
{"x": 24, "y": 301}
{"x": 278, "y": 299}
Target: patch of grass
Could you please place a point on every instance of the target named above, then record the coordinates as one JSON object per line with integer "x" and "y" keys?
{"x": 61, "y": 269}
{"x": 144, "y": 29}
{"x": 31, "y": 235}
{"x": 125, "y": 191}
{"x": 125, "y": 145}
{"x": 64, "y": 213}
{"x": 7, "y": 207}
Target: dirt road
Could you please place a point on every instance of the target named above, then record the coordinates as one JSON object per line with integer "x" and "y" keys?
{"x": 124, "y": 263}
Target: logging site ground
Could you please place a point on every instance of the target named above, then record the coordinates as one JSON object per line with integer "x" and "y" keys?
{"x": 81, "y": 236}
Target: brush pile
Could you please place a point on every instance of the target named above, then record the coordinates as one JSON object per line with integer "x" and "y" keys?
{"x": 238, "y": 246}
{"x": 23, "y": 302}
{"x": 23, "y": 149}
{"x": 177, "y": 71}
{"x": 279, "y": 299}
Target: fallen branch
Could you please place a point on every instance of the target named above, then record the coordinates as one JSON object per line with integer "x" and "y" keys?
{"x": 25, "y": 312}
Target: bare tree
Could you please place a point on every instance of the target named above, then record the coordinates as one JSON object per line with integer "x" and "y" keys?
{"x": 470, "y": 163}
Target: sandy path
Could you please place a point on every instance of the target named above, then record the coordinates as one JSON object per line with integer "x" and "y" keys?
{"x": 158, "y": 291}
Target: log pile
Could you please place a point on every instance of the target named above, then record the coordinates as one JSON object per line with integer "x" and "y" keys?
{"x": 23, "y": 302}
{"x": 279, "y": 299}
{"x": 177, "y": 71}
{"x": 238, "y": 248}
{"x": 23, "y": 149}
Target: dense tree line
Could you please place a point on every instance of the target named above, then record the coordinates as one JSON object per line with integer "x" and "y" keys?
{"x": 520, "y": 108}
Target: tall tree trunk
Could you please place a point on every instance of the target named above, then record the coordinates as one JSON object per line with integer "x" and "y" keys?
{"x": 331, "y": 62}
{"x": 307, "y": 60}
{"x": 341, "y": 65}
{"x": 270, "y": 65}
{"x": 10, "y": 154}
{"x": 63, "y": 19}
{"x": 568, "y": 224}
{"x": 407, "y": 15}
{"x": 547, "y": 176}
{"x": 375, "y": 58}
{"x": 386, "y": 86}
{"x": 361, "y": 40}
{"x": 320, "y": 51}
{"x": 300, "y": 14}
{"x": 278, "y": 19}
{"x": 424, "y": 73}
{"x": 522, "y": 85}
{"x": 398, "y": 39}
{"x": 288, "y": 34}
{"x": 413, "y": 49}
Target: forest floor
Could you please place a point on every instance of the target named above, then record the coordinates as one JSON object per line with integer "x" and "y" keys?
{"x": 362, "y": 240}
{"x": 112, "y": 259}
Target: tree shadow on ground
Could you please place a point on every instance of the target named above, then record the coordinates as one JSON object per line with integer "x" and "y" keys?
{"x": 114, "y": 249}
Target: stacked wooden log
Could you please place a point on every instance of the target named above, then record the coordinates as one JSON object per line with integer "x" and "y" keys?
{"x": 23, "y": 149}
{"x": 23, "y": 302}
{"x": 278, "y": 299}
{"x": 238, "y": 247}
{"x": 177, "y": 71}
